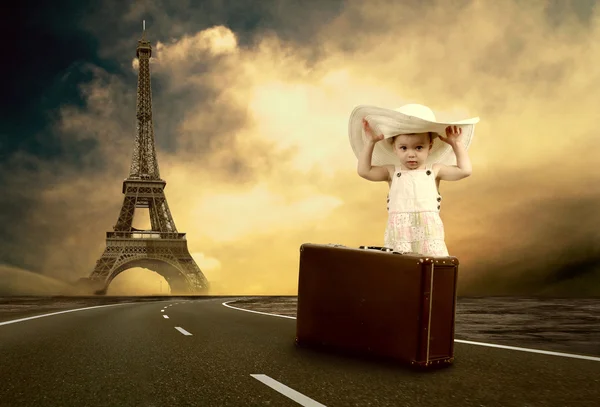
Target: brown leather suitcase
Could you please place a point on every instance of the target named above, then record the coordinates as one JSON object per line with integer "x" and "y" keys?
{"x": 375, "y": 302}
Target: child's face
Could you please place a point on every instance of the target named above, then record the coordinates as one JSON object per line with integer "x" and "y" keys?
{"x": 412, "y": 149}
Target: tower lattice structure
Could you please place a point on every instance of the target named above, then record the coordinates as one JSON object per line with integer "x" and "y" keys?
{"x": 162, "y": 248}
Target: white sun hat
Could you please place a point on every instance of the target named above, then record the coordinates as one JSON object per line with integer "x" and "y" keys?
{"x": 411, "y": 118}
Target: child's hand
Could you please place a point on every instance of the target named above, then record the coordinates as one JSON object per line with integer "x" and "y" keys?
{"x": 452, "y": 134}
{"x": 370, "y": 133}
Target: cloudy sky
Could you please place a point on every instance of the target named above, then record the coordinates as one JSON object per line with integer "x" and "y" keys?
{"x": 251, "y": 106}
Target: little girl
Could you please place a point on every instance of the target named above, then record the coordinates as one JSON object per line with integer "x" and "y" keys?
{"x": 414, "y": 224}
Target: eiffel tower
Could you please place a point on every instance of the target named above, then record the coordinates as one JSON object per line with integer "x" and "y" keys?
{"x": 162, "y": 248}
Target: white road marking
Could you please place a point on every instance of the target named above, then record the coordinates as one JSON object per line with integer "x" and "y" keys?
{"x": 286, "y": 391}
{"x": 256, "y": 312}
{"x": 545, "y": 352}
{"x": 491, "y": 345}
{"x": 183, "y": 331}
{"x": 61, "y": 312}
{"x": 162, "y": 310}
{"x": 165, "y": 316}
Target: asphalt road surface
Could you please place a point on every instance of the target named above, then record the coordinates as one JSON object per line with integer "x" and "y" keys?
{"x": 201, "y": 353}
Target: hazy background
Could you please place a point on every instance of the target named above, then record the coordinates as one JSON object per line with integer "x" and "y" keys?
{"x": 251, "y": 106}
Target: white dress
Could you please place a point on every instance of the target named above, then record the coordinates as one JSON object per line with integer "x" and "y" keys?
{"x": 414, "y": 224}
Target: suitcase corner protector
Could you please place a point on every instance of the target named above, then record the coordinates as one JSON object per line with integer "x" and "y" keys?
{"x": 304, "y": 246}
{"x": 450, "y": 261}
{"x": 431, "y": 363}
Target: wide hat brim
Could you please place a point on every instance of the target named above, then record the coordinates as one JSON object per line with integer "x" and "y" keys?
{"x": 392, "y": 122}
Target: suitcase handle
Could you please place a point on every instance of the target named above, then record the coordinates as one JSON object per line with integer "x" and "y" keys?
{"x": 383, "y": 249}
{"x": 376, "y": 248}
{"x": 379, "y": 248}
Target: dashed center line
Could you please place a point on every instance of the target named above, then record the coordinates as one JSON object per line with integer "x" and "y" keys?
{"x": 166, "y": 316}
{"x": 287, "y": 391}
{"x": 183, "y": 331}
{"x": 162, "y": 310}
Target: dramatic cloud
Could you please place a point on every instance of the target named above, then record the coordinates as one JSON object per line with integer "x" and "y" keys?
{"x": 252, "y": 141}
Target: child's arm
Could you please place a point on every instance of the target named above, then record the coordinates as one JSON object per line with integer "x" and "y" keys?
{"x": 365, "y": 169}
{"x": 462, "y": 169}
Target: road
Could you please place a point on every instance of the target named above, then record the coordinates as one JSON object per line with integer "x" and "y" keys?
{"x": 202, "y": 353}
